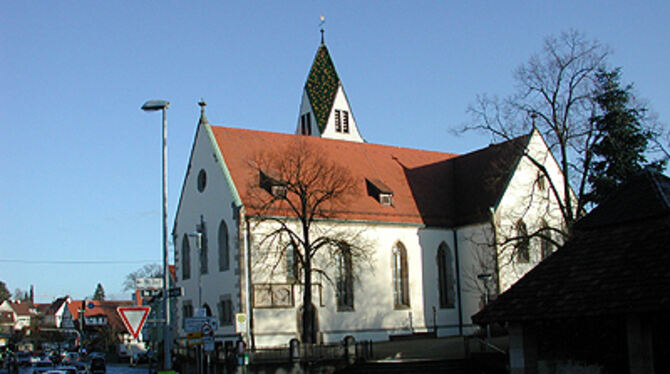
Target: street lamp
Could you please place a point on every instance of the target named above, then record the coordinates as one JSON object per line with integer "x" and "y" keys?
{"x": 151, "y": 106}
{"x": 484, "y": 277}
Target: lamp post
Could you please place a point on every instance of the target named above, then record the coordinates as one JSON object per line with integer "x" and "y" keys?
{"x": 485, "y": 279}
{"x": 150, "y": 106}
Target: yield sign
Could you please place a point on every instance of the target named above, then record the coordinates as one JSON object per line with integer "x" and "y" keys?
{"x": 133, "y": 317}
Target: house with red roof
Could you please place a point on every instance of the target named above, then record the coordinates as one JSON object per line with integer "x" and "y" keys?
{"x": 23, "y": 313}
{"x": 433, "y": 221}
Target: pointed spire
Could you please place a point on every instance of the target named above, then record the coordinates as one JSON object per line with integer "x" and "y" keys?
{"x": 203, "y": 117}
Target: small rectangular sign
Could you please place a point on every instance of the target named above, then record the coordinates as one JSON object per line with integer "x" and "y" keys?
{"x": 194, "y": 324}
{"x": 240, "y": 323}
{"x": 175, "y": 292}
{"x": 148, "y": 283}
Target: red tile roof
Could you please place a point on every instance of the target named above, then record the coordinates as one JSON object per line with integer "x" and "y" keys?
{"x": 105, "y": 307}
{"x": 431, "y": 188}
{"x": 22, "y": 308}
{"x": 616, "y": 263}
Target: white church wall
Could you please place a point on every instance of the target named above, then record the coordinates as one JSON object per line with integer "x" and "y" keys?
{"x": 214, "y": 203}
{"x": 525, "y": 199}
{"x": 374, "y": 315}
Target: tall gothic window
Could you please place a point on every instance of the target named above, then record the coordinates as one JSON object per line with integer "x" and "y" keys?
{"x": 185, "y": 258}
{"x": 292, "y": 262}
{"x": 445, "y": 267}
{"x": 224, "y": 259}
{"x": 522, "y": 243}
{"x": 187, "y": 311}
{"x": 225, "y": 311}
{"x": 203, "y": 246}
{"x": 400, "y": 277}
{"x": 345, "y": 280}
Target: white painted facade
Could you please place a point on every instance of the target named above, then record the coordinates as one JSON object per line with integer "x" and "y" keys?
{"x": 212, "y": 206}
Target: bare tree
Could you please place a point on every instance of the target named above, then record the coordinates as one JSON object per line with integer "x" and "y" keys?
{"x": 146, "y": 271}
{"x": 555, "y": 95}
{"x": 295, "y": 190}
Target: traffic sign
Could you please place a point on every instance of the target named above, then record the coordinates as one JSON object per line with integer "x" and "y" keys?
{"x": 150, "y": 293}
{"x": 240, "y": 323}
{"x": 133, "y": 318}
{"x": 208, "y": 337}
{"x": 194, "y": 324}
{"x": 175, "y": 292}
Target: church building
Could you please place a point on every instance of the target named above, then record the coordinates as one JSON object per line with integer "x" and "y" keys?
{"x": 433, "y": 224}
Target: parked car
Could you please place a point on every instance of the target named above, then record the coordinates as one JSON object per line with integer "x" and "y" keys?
{"x": 81, "y": 367}
{"x": 68, "y": 369}
{"x": 42, "y": 366}
{"x": 23, "y": 358}
{"x": 97, "y": 365}
{"x": 70, "y": 357}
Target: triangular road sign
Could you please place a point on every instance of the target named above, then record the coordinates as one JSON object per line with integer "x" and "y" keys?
{"x": 133, "y": 317}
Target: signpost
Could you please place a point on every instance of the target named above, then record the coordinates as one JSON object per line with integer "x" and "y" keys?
{"x": 133, "y": 318}
{"x": 208, "y": 337}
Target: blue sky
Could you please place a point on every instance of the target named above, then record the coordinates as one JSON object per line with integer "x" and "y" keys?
{"x": 81, "y": 163}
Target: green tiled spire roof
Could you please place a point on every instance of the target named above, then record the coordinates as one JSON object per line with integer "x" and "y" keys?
{"x": 322, "y": 85}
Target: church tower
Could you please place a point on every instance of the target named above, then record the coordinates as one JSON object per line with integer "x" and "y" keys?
{"x": 325, "y": 110}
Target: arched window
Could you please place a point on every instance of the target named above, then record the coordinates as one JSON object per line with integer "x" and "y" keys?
{"x": 208, "y": 310}
{"x": 345, "y": 279}
{"x": 185, "y": 258}
{"x": 204, "y": 247}
{"x": 522, "y": 243}
{"x": 224, "y": 259}
{"x": 546, "y": 248}
{"x": 292, "y": 264}
{"x": 400, "y": 277}
{"x": 445, "y": 268}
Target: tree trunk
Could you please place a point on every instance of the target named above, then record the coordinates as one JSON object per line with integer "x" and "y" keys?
{"x": 308, "y": 310}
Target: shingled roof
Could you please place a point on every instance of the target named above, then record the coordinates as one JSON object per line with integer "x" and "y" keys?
{"x": 321, "y": 86}
{"x": 430, "y": 188}
{"x": 616, "y": 263}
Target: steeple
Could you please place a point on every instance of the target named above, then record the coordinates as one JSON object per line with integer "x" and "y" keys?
{"x": 325, "y": 110}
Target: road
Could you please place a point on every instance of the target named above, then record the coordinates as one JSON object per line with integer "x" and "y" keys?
{"x": 111, "y": 369}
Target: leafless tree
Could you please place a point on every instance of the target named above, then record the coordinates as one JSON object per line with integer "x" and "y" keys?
{"x": 146, "y": 271}
{"x": 295, "y": 191}
{"x": 554, "y": 95}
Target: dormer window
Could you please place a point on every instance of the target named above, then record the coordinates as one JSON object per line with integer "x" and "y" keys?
{"x": 386, "y": 199}
{"x": 379, "y": 191}
{"x": 272, "y": 185}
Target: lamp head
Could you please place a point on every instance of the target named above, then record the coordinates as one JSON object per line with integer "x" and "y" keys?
{"x": 153, "y": 105}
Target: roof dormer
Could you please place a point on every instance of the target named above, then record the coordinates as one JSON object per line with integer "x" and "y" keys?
{"x": 325, "y": 109}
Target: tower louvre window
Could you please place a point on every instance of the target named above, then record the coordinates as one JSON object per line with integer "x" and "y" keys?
{"x": 338, "y": 120}
{"x": 345, "y": 121}
{"x": 306, "y": 124}
{"x": 379, "y": 191}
